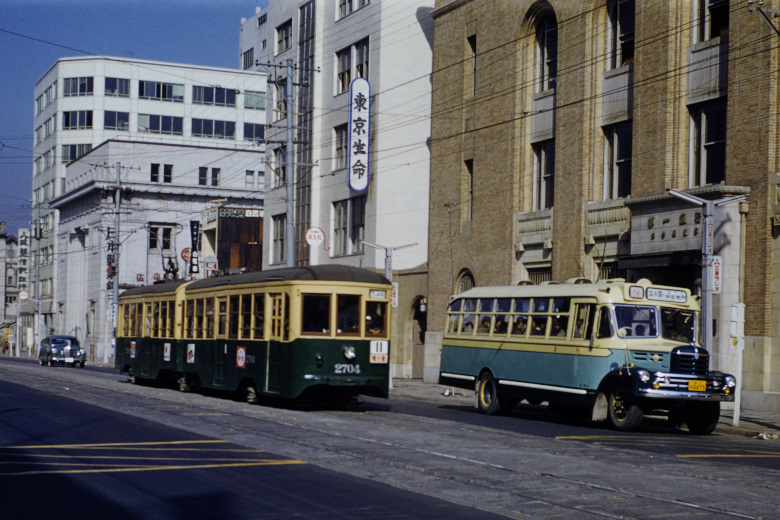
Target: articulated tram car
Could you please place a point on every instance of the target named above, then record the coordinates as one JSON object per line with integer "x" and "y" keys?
{"x": 287, "y": 333}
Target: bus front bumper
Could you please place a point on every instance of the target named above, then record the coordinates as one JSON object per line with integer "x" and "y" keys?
{"x": 709, "y": 387}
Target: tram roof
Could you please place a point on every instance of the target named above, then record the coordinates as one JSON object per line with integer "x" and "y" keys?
{"x": 326, "y": 272}
{"x": 168, "y": 286}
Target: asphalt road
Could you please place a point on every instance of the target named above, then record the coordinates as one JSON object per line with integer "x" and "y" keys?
{"x": 530, "y": 465}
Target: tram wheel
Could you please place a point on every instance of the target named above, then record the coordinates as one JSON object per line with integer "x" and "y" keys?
{"x": 623, "y": 412}
{"x": 487, "y": 395}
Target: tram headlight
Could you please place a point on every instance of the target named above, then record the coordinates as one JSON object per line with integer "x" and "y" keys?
{"x": 349, "y": 352}
{"x": 730, "y": 381}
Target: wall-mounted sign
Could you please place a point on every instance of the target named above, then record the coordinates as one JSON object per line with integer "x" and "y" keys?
{"x": 359, "y": 134}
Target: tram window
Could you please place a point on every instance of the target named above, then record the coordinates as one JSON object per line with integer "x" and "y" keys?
{"x": 259, "y": 314}
{"x": 156, "y": 319}
{"x": 147, "y": 320}
{"x": 190, "y": 318}
{"x": 199, "y": 308}
{"x": 246, "y": 316}
{"x": 233, "y": 317}
{"x": 222, "y": 317}
{"x": 376, "y": 319}
{"x": 348, "y": 317}
{"x": 316, "y": 313}
{"x": 126, "y": 314}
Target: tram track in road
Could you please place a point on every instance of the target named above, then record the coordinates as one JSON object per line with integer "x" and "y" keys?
{"x": 506, "y": 472}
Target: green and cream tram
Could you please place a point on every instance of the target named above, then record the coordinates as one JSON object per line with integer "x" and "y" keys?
{"x": 617, "y": 349}
{"x": 319, "y": 331}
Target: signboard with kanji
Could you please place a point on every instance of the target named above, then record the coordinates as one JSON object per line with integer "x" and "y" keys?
{"x": 359, "y": 134}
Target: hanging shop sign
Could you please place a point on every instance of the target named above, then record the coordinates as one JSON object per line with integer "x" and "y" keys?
{"x": 359, "y": 134}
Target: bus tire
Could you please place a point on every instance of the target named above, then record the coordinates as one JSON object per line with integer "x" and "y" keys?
{"x": 487, "y": 395}
{"x": 702, "y": 418}
{"x": 623, "y": 413}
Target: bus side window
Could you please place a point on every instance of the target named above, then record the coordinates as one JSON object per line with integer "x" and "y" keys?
{"x": 583, "y": 321}
{"x": 605, "y": 324}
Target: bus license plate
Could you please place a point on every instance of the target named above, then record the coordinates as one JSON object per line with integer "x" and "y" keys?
{"x": 697, "y": 386}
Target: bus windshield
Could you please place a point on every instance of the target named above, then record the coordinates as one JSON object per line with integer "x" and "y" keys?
{"x": 638, "y": 321}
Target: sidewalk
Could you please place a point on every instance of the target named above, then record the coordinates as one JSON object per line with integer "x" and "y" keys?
{"x": 762, "y": 425}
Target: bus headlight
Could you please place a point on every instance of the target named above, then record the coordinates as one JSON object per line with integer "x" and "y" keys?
{"x": 730, "y": 381}
{"x": 349, "y": 352}
{"x": 644, "y": 375}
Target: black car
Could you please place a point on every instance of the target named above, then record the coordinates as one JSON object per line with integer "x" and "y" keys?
{"x": 62, "y": 350}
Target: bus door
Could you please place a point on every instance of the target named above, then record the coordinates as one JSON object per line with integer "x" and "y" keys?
{"x": 278, "y": 334}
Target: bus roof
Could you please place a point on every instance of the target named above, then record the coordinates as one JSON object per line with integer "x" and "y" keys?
{"x": 613, "y": 291}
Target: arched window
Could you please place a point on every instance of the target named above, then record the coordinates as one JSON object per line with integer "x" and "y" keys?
{"x": 465, "y": 281}
{"x": 546, "y": 51}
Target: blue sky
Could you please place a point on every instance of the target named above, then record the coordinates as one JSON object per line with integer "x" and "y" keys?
{"x": 196, "y": 32}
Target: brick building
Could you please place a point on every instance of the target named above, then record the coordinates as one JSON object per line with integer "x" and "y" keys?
{"x": 557, "y": 129}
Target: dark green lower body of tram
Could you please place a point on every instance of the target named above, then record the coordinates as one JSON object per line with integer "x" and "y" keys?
{"x": 301, "y": 369}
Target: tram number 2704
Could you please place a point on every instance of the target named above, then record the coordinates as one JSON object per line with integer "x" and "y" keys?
{"x": 344, "y": 368}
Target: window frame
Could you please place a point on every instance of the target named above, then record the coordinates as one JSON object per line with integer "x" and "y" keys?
{"x": 543, "y": 174}
{"x": 617, "y": 159}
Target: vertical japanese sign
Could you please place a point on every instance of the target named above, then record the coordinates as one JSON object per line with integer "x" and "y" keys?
{"x": 195, "y": 234}
{"x": 359, "y": 134}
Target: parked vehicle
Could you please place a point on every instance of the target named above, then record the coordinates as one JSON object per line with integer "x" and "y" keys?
{"x": 61, "y": 350}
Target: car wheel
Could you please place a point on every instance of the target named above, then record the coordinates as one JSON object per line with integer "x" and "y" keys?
{"x": 81, "y": 365}
{"x": 51, "y": 363}
{"x": 624, "y": 414}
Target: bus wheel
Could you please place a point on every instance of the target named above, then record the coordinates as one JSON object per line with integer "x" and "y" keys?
{"x": 487, "y": 395}
{"x": 701, "y": 419}
{"x": 624, "y": 414}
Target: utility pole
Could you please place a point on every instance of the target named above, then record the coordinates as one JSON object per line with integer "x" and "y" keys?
{"x": 289, "y": 159}
{"x": 114, "y": 247}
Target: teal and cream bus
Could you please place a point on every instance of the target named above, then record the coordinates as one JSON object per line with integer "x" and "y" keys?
{"x": 318, "y": 331}
{"x": 617, "y": 349}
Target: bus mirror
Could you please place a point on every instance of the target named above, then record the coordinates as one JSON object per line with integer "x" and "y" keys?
{"x": 622, "y": 332}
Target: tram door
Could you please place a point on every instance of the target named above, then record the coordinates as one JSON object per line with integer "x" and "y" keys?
{"x": 273, "y": 355}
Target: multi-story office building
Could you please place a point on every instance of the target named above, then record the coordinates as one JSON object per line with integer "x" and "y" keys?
{"x": 558, "y": 129}
{"x": 168, "y": 139}
{"x": 330, "y": 45}
{"x": 9, "y": 265}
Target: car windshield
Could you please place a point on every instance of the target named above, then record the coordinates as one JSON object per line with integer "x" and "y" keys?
{"x": 637, "y": 321}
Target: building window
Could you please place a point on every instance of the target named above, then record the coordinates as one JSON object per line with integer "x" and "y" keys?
{"x": 248, "y": 59}
{"x": 361, "y": 59}
{"x": 77, "y": 86}
{"x": 280, "y": 167}
{"x": 349, "y": 223}
{"x": 160, "y": 238}
{"x": 215, "y": 176}
{"x": 254, "y": 100}
{"x": 280, "y": 224}
{"x": 262, "y": 19}
{"x": 546, "y": 52}
{"x": 544, "y": 169}
{"x": 281, "y": 103}
{"x": 708, "y": 143}
{"x": 465, "y": 281}
{"x": 71, "y": 152}
{"x": 249, "y": 180}
{"x": 167, "y": 173}
{"x": 116, "y": 120}
{"x": 471, "y": 43}
{"x": 469, "y": 189}
{"x": 711, "y": 19}
{"x": 621, "y": 33}
{"x": 284, "y": 36}
{"x": 539, "y": 275}
{"x": 160, "y": 124}
{"x": 344, "y": 71}
{"x": 161, "y": 91}
{"x": 213, "y": 128}
{"x": 345, "y": 8}
{"x": 254, "y": 132}
{"x": 117, "y": 87}
{"x": 617, "y": 161}
{"x": 203, "y": 174}
{"x": 224, "y": 97}
{"x": 77, "y": 119}
{"x": 342, "y": 141}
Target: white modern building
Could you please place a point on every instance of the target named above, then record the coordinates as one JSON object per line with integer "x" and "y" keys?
{"x": 389, "y": 43}
{"x": 169, "y": 139}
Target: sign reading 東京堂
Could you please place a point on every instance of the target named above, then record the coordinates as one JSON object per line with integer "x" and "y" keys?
{"x": 359, "y": 136}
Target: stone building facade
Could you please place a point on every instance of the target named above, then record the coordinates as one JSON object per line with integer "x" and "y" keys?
{"x": 558, "y": 128}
